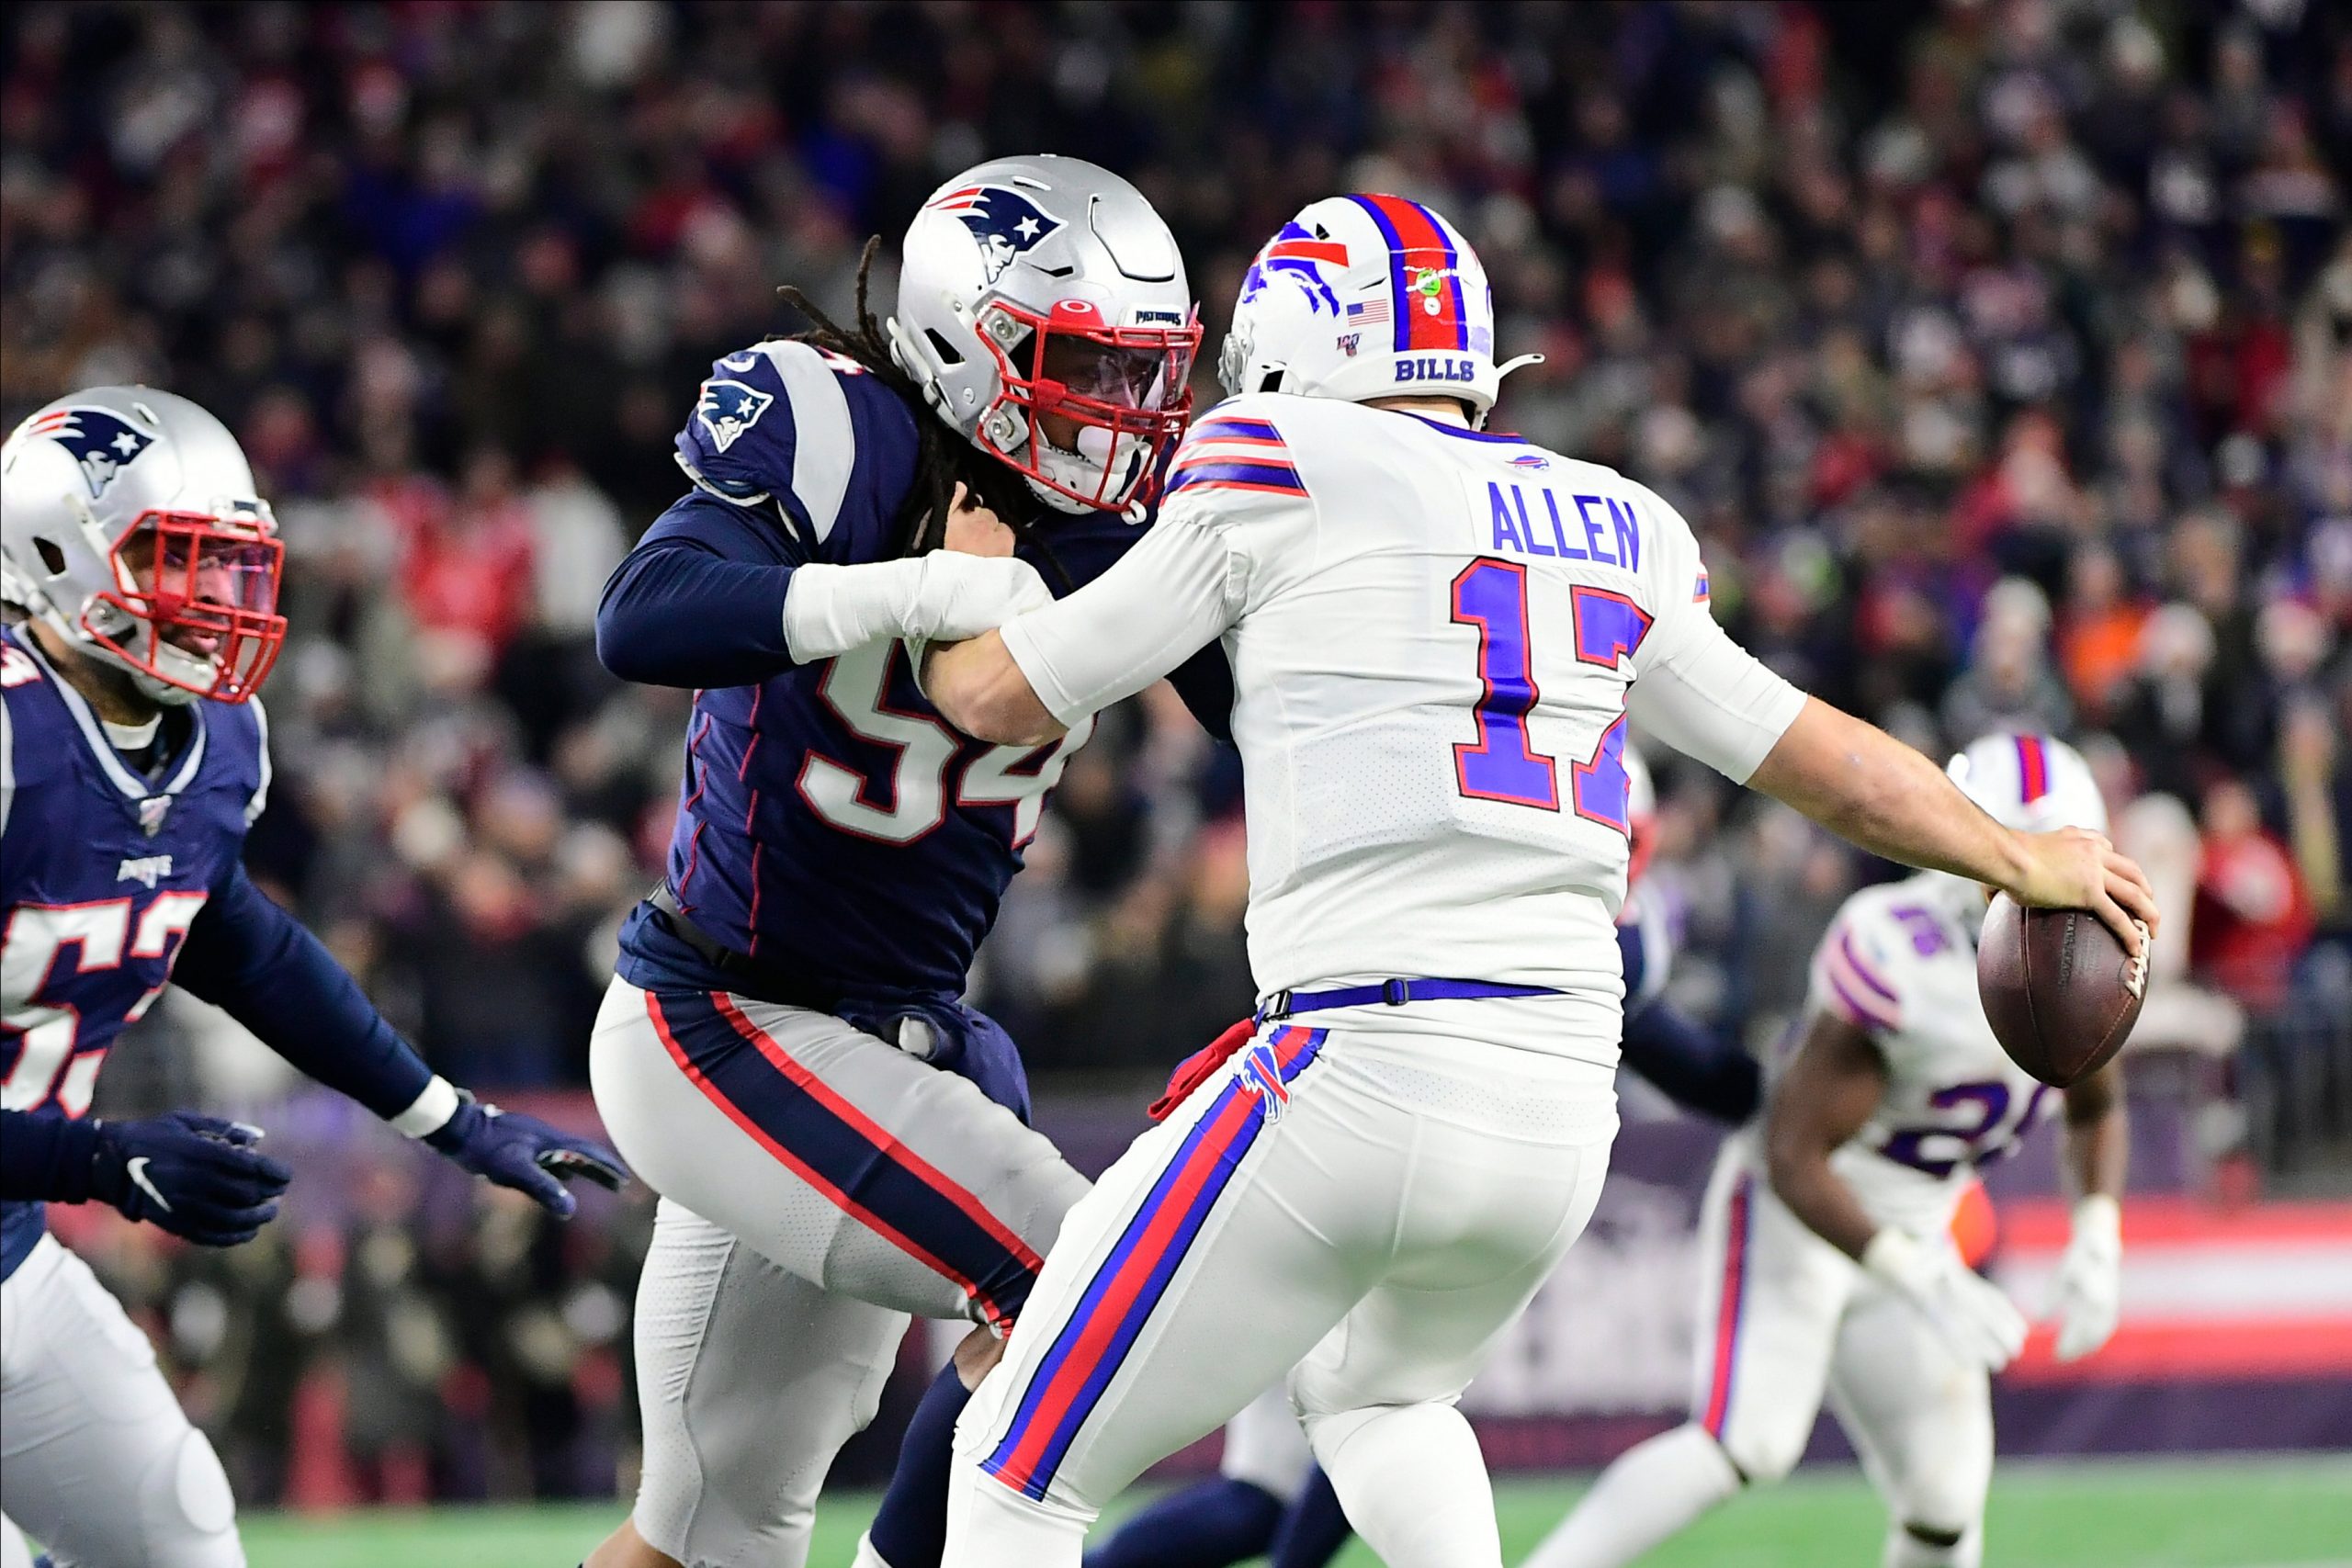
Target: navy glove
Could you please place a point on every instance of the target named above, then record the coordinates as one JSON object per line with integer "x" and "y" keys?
{"x": 524, "y": 1152}
{"x": 199, "y": 1176}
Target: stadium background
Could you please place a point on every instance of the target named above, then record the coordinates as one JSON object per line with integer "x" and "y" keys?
{"x": 2000, "y": 352}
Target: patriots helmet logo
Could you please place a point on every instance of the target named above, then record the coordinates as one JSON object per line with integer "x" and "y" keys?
{"x": 728, "y": 408}
{"x": 1006, "y": 223}
{"x": 102, "y": 442}
{"x": 1299, "y": 253}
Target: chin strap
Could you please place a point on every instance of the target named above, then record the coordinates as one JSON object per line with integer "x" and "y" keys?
{"x": 1505, "y": 368}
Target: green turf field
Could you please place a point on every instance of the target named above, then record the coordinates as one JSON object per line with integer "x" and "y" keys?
{"x": 2241, "y": 1514}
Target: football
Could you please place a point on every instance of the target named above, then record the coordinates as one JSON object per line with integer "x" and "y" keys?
{"x": 2059, "y": 991}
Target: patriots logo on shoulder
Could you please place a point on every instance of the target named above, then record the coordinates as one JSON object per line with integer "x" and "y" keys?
{"x": 101, "y": 441}
{"x": 1006, "y": 223}
{"x": 1300, "y": 254}
{"x": 728, "y": 408}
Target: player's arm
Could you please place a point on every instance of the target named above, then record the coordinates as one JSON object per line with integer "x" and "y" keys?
{"x": 258, "y": 963}
{"x": 1828, "y": 1094}
{"x": 713, "y": 597}
{"x": 1163, "y": 602}
{"x": 1870, "y": 789}
{"x": 2087, "y": 1295}
{"x": 1707, "y": 696}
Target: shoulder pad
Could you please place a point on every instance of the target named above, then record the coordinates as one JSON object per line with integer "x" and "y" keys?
{"x": 1236, "y": 449}
{"x": 775, "y": 422}
{"x": 1859, "y": 968}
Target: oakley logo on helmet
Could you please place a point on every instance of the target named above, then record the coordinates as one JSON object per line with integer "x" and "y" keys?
{"x": 1299, "y": 253}
{"x": 729, "y": 408}
{"x": 1006, "y": 223}
{"x": 102, "y": 443}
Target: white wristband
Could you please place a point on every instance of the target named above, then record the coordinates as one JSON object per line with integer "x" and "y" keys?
{"x": 827, "y": 609}
{"x": 2100, "y": 1216}
{"x": 429, "y": 1112}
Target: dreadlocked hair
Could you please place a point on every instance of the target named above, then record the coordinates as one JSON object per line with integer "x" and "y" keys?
{"x": 942, "y": 458}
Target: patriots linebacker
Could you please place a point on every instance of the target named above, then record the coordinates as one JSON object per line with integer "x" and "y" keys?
{"x": 133, "y": 757}
{"x": 1437, "y": 636}
{"x": 837, "y": 1141}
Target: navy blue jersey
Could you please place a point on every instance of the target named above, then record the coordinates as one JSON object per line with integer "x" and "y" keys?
{"x": 829, "y": 821}
{"x": 101, "y": 875}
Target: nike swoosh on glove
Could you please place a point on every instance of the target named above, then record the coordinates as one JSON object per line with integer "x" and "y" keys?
{"x": 1975, "y": 1317}
{"x": 197, "y": 1176}
{"x": 525, "y": 1154}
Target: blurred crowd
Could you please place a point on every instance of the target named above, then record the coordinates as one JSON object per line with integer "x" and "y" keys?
{"x": 2000, "y": 351}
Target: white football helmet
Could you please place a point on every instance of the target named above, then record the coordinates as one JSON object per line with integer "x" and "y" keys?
{"x": 2035, "y": 784}
{"x": 129, "y": 525}
{"x": 1045, "y": 294}
{"x": 1364, "y": 296}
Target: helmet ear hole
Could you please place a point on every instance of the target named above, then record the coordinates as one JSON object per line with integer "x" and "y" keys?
{"x": 50, "y": 557}
{"x": 940, "y": 346}
{"x": 1272, "y": 381}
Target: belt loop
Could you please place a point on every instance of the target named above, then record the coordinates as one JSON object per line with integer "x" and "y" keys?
{"x": 1396, "y": 993}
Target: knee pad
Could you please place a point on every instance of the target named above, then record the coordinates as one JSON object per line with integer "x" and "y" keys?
{"x": 186, "y": 1513}
{"x": 1762, "y": 1457}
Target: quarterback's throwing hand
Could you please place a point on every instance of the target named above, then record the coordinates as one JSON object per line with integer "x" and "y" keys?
{"x": 2075, "y": 868}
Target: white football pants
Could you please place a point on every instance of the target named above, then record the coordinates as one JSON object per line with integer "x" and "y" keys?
{"x": 1335, "y": 1201}
{"x": 818, "y": 1185}
{"x": 98, "y": 1461}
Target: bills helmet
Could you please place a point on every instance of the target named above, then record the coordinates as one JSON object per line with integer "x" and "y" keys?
{"x": 1364, "y": 296}
{"x": 2035, "y": 784}
{"x": 1043, "y": 311}
{"x": 128, "y": 525}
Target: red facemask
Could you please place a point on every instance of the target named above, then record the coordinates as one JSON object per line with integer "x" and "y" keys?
{"x": 1132, "y": 382}
{"x": 209, "y": 589}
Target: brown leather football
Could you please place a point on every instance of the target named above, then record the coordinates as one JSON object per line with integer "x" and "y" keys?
{"x": 2058, "y": 988}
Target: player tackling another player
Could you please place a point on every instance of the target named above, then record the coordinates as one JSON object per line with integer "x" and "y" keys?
{"x": 1827, "y": 1231}
{"x": 1436, "y": 634}
{"x": 784, "y": 1056}
{"x": 133, "y": 758}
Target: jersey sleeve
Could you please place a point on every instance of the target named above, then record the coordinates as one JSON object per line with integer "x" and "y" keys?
{"x": 699, "y": 602}
{"x": 1859, "y": 970}
{"x": 1165, "y": 600}
{"x": 1178, "y": 589}
{"x": 809, "y": 441}
{"x": 1693, "y": 687}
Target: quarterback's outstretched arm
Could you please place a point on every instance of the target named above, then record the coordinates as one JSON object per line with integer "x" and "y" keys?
{"x": 1165, "y": 600}
{"x": 1870, "y": 789}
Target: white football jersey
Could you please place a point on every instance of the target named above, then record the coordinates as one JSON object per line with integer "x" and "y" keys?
{"x": 1435, "y": 634}
{"x": 1900, "y": 962}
